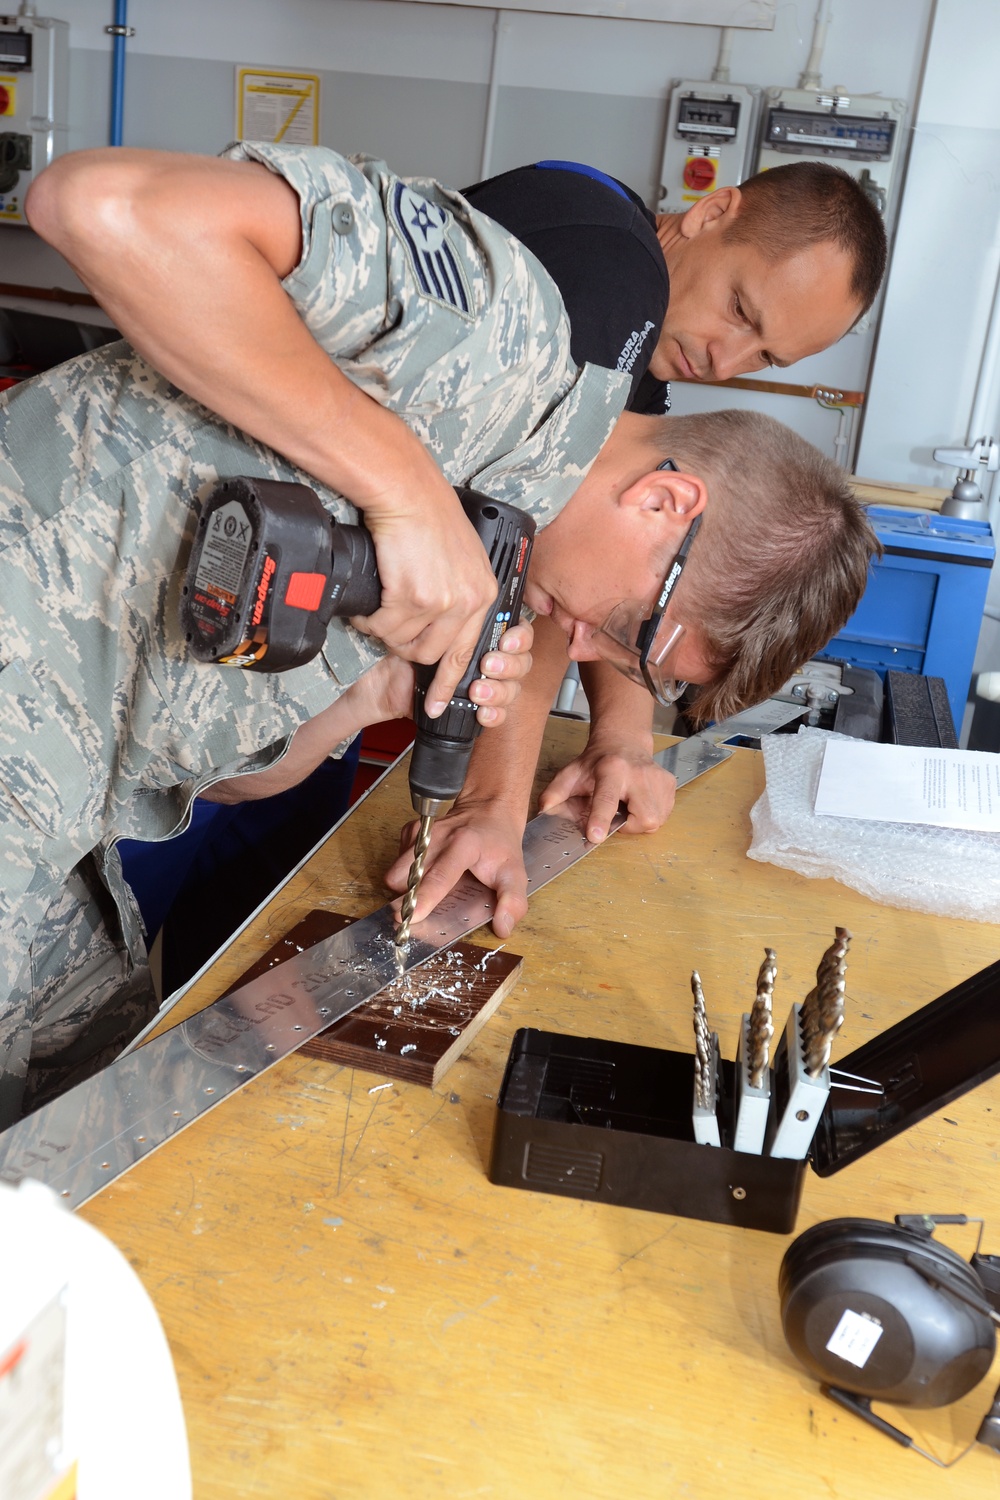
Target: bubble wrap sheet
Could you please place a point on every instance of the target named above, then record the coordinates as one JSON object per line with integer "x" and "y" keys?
{"x": 949, "y": 872}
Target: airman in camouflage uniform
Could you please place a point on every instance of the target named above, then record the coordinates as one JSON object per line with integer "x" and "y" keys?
{"x": 107, "y": 727}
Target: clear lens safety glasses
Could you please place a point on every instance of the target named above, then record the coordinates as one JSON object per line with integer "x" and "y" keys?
{"x": 626, "y": 641}
{"x": 641, "y": 645}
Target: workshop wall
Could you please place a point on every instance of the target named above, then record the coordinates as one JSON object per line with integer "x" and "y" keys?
{"x": 411, "y": 82}
{"x": 417, "y": 77}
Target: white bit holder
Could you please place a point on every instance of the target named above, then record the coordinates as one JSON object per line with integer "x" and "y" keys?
{"x": 705, "y": 1117}
{"x": 752, "y": 1105}
{"x": 806, "y": 1096}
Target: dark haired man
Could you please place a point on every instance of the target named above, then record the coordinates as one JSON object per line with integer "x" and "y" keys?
{"x": 749, "y": 277}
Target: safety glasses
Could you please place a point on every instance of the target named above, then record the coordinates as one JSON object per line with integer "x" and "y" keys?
{"x": 641, "y": 645}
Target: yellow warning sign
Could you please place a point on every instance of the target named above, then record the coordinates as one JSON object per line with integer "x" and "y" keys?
{"x": 281, "y": 107}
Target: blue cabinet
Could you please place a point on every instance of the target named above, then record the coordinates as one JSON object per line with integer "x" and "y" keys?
{"x": 923, "y": 607}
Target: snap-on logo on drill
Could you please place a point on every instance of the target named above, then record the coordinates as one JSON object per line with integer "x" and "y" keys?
{"x": 265, "y": 583}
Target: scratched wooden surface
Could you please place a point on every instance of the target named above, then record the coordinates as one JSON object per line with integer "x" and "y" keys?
{"x": 355, "y": 1312}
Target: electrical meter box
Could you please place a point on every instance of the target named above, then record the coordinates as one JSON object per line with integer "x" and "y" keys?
{"x": 34, "y": 95}
{"x": 711, "y": 130}
{"x": 861, "y": 133}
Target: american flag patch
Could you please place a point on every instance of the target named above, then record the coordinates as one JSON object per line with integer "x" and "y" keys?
{"x": 424, "y": 228}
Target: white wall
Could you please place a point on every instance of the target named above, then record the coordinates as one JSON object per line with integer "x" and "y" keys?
{"x": 944, "y": 271}
{"x": 872, "y": 45}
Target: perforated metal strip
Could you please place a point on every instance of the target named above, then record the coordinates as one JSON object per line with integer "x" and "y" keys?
{"x": 98, "y": 1130}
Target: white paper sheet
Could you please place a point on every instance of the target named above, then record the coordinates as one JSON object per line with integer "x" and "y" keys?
{"x": 903, "y": 784}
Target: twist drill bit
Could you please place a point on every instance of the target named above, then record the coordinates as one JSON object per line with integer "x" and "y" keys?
{"x": 412, "y": 886}
{"x": 811, "y": 1020}
{"x": 761, "y": 1028}
{"x": 702, "y": 1045}
{"x": 826, "y": 1004}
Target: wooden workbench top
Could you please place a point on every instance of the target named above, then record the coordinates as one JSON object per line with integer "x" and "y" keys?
{"x": 356, "y": 1312}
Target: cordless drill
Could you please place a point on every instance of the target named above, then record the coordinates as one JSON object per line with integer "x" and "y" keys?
{"x": 270, "y": 568}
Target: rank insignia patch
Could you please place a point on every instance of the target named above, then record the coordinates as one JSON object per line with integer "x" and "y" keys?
{"x": 424, "y": 228}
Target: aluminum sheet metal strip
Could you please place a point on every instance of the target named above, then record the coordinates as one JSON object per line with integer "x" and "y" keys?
{"x": 691, "y": 758}
{"x": 98, "y": 1130}
{"x": 89, "y": 1136}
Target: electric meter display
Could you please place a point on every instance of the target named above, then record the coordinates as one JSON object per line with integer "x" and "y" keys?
{"x": 710, "y": 135}
{"x": 716, "y": 119}
{"x": 834, "y": 134}
{"x": 15, "y": 49}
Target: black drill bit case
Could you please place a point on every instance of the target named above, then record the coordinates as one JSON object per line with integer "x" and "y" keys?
{"x": 611, "y": 1121}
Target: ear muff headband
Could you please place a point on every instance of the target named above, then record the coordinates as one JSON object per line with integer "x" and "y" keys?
{"x": 837, "y": 1236}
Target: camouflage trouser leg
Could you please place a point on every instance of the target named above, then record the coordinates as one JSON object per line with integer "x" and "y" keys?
{"x": 78, "y": 998}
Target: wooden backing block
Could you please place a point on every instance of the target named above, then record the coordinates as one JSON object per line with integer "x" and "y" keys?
{"x": 416, "y": 1027}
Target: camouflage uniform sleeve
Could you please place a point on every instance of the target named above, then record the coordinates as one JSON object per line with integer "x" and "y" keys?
{"x": 339, "y": 286}
{"x": 438, "y": 313}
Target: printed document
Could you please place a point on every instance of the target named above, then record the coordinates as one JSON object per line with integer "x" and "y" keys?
{"x": 907, "y": 784}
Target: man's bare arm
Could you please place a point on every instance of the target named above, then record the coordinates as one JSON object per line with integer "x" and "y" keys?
{"x": 384, "y": 692}
{"x": 186, "y": 254}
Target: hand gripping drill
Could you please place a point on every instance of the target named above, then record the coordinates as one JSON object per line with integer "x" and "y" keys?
{"x": 270, "y": 568}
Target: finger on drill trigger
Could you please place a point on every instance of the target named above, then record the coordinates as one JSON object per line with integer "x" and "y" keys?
{"x": 518, "y": 638}
{"x": 513, "y": 651}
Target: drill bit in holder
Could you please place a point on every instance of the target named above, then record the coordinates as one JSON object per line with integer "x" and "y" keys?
{"x": 753, "y": 1079}
{"x": 802, "y": 1074}
{"x": 705, "y": 1112}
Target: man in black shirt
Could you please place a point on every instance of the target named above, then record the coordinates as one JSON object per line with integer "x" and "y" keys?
{"x": 747, "y": 278}
{"x": 597, "y": 240}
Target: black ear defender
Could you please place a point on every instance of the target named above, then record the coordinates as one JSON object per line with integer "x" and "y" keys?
{"x": 884, "y": 1311}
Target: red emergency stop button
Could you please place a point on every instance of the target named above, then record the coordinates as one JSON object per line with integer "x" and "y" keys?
{"x": 305, "y": 591}
{"x": 4, "y": 100}
{"x": 699, "y": 174}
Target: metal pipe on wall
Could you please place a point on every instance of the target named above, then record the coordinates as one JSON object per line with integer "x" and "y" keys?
{"x": 489, "y": 128}
{"x": 721, "y": 73}
{"x": 811, "y": 77}
{"x": 119, "y": 31}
